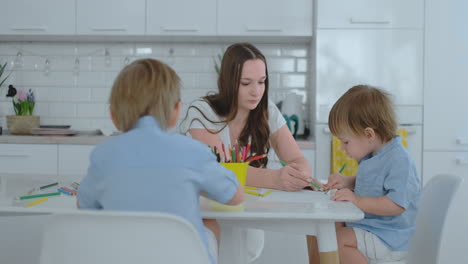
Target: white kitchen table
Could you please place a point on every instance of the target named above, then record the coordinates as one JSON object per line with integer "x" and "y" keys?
{"x": 304, "y": 213}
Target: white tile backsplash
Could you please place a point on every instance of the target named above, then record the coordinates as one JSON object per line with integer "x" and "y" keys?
{"x": 77, "y": 95}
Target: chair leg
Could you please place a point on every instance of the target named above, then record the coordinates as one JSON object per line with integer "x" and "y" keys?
{"x": 312, "y": 249}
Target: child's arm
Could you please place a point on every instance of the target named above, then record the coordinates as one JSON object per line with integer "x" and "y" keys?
{"x": 374, "y": 205}
{"x": 238, "y": 196}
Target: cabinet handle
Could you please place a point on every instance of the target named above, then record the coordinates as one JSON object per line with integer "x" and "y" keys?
{"x": 29, "y": 28}
{"x": 461, "y": 141}
{"x": 368, "y": 22}
{"x": 259, "y": 29}
{"x": 179, "y": 29}
{"x": 108, "y": 29}
{"x": 461, "y": 161}
{"x": 14, "y": 155}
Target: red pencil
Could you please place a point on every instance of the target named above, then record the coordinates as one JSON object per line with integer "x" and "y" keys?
{"x": 256, "y": 158}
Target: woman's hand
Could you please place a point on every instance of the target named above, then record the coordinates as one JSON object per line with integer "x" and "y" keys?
{"x": 291, "y": 178}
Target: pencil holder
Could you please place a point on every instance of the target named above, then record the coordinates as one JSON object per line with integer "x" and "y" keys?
{"x": 240, "y": 170}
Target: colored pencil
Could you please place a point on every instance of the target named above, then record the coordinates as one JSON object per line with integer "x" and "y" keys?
{"x": 38, "y": 195}
{"x": 256, "y": 158}
{"x": 38, "y": 201}
{"x": 342, "y": 168}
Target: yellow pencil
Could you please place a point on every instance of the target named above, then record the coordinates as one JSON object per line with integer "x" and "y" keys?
{"x": 250, "y": 188}
{"x": 37, "y": 201}
{"x": 252, "y": 193}
{"x": 258, "y": 194}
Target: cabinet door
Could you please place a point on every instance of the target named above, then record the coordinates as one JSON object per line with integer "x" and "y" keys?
{"x": 446, "y": 78}
{"x": 309, "y": 155}
{"x": 28, "y": 159}
{"x": 265, "y": 17}
{"x": 389, "y": 59}
{"x": 110, "y": 17}
{"x": 32, "y": 17}
{"x": 181, "y": 17}
{"x": 323, "y": 139}
{"x": 455, "y": 163}
{"x": 370, "y": 13}
{"x": 73, "y": 160}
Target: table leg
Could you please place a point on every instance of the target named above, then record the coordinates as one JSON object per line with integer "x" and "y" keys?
{"x": 327, "y": 244}
{"x": 233, "y": 248}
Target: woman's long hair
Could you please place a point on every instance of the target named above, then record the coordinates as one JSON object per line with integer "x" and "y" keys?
{"x": 225, "y": 103}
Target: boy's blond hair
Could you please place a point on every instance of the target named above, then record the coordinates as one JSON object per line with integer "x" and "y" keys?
{"x": 144, "y": 87}
{"x": 361, "y": 107}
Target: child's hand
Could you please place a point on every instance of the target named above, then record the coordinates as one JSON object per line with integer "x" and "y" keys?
{"x": 335, "y": 181}
{"x": 345, "y": 195}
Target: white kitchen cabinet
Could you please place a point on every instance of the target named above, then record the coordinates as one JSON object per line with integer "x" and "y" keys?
{"x": 370, "y": 14}
{"x": 33, "y": 159}
{"x": 265, "y": 18}
{"x": 73, "y": 160}
{"x": 110, "y": 17}
{"x": 446, "y": 78}
{"x": 181, "y": 17}
{"x": 32, "y": 17}
{"x": 389, "y": 59}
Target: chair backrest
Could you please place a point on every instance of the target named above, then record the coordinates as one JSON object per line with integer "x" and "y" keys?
{"x": 120, "y": 237}
{"x": 436, "y": 198}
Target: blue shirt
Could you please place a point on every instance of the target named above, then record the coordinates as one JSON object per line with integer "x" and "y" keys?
{"x": 148, "y": 169}
{"x": 390, "y": 172}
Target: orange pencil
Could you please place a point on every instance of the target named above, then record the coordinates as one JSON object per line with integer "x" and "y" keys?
{"x": 256, "y": 158}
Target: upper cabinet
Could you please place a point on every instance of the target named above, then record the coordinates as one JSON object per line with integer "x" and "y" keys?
{"x": 181, "y": 17}
{"x": 265, "y": 18}
{"x": 390, "y": 59}
{"x": 32, "y": 17}
{"x": 446, "y": 78}
{"x": 110, "y": 17}
{"x": 370, "y": 13}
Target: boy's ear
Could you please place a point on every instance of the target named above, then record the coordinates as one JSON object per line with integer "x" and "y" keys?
{"x": 369, "y": 133}
{"x": 175, "y": 114}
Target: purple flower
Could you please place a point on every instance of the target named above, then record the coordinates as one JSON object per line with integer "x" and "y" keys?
{"x": 22, "y": 96}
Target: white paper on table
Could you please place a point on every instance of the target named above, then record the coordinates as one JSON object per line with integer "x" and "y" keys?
{"x": 304, "y": 196}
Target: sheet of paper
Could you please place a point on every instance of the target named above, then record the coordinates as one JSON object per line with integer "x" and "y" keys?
{"x": 304, "y": 196}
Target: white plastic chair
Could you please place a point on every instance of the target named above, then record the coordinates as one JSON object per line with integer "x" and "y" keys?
{"x": 120, "y": 237}
{"x": 434, "y": 205}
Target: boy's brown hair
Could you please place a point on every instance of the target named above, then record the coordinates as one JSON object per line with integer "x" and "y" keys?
{"x": 361, "y": 107}
{"x": 144, "y": 87}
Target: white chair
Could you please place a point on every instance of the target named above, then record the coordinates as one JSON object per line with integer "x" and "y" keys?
{"x": 120, "y": 237}
{"x": 434, "y": 206}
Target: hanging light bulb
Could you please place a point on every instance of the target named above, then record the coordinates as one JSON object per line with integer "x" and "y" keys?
{"x": 47, "y": 67}
{"x": 107, "y": 57}
{"x": 126, "y": 61}
{"x": 18, "y": 62}
{"x": 76, "y": 67}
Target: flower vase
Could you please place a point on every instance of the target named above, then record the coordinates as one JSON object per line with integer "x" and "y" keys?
{"x": 22, "y": 125}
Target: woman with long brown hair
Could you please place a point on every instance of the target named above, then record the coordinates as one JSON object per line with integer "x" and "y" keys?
{"x": 240, "y": 113}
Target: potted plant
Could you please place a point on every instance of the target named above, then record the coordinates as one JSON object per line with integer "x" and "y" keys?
{"x": 23, "y": 104}
{"x": 2, "y": 80}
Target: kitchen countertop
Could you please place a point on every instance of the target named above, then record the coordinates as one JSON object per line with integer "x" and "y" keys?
{"x": 86, "y": 138}
{"x": 81, "y": 138}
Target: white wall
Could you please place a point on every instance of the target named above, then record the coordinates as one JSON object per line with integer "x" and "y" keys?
{"x": 76, "y": 93}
